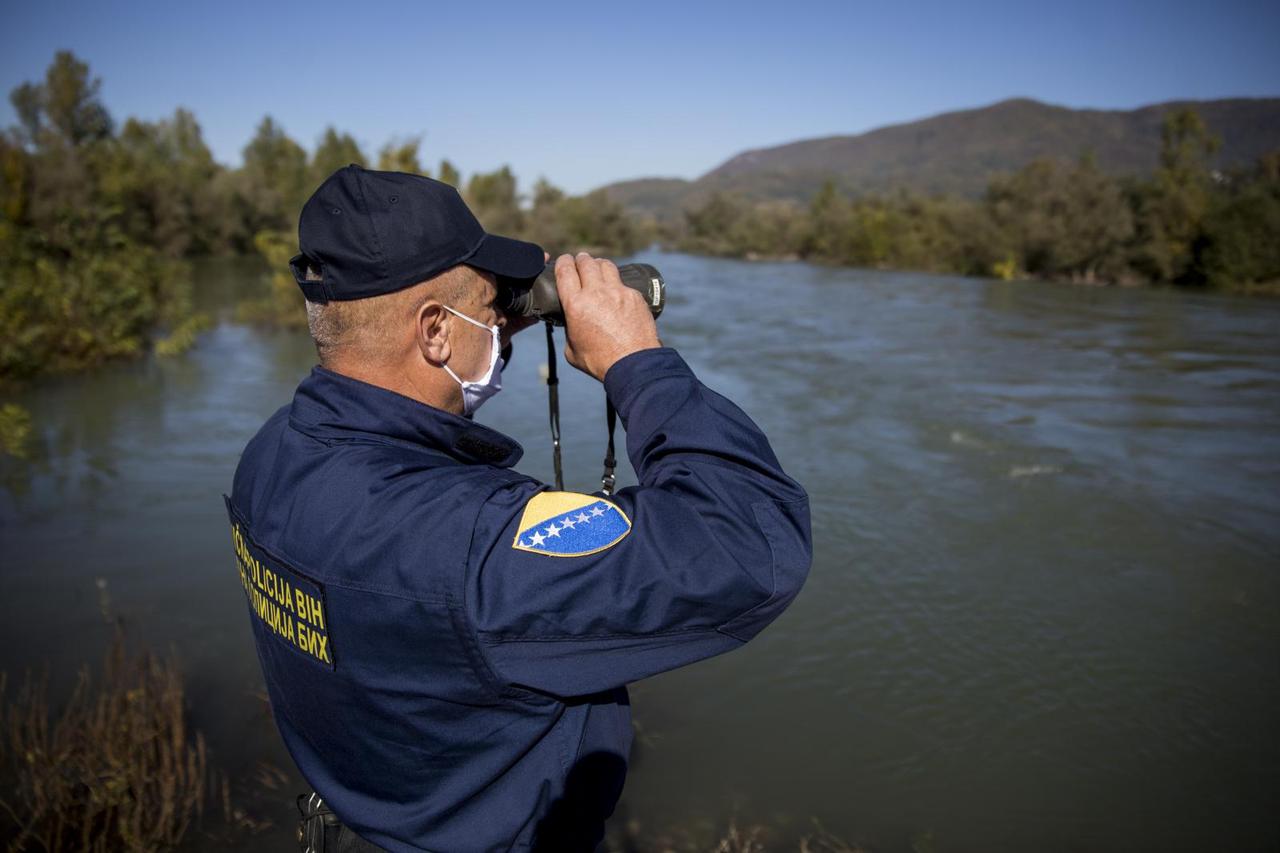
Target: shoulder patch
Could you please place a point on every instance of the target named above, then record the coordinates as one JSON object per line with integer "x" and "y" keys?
{"x": 568, "y": 524}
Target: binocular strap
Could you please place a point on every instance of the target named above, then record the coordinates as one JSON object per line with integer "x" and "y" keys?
{"x": 553, "y": 401}
{"x": 608, "y": 480}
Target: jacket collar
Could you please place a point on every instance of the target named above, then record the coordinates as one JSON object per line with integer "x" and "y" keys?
{"x": 330, "y": 405}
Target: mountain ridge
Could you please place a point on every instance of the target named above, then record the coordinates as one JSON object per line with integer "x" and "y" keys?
{"x": 957, "y": 152}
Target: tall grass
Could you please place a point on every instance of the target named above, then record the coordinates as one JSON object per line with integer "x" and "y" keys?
{"x": 115, "y": 769}
{"x": 738, "y": 837}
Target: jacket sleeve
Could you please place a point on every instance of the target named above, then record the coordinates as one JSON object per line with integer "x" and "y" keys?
{"x": 715, "y": 543}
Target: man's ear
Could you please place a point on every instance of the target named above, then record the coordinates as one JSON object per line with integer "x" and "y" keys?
{"x": 432, "y": 332}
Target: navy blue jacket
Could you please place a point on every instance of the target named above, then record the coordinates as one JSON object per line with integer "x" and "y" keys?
{"x": 446, "y": 642}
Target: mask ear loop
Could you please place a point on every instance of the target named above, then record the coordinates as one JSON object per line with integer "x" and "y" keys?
{"x": 495, "y": 343}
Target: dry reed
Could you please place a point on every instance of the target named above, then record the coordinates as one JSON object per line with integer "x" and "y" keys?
{"x": 116, "y": 770}
{"x": 736, "y": 838}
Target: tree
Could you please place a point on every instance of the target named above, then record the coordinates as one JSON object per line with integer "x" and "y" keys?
{"x": 28, "y": 103}
{"x": 273, "y": 182}
{"x": 1068, "y": 222}
{"x": 15, "y": 189}
{"x": 65, "y": 130}
{"x": 335, "y": 151}
{"x": 66, "y": 105}
{"x": 81, "y": 283}
{"x": 449, "y": 174}
{"x": 402, "y": 157}
{"x": 708, "y": 227}
{"x": 493, "y": 198}
{"x": 545, "y": 225}
{"x": 1172, "y": 208}
{"x": 827, "y": 236}
{"x": 160, "y": 178}
{"x": 594, "y": 222}
{"x": 1240, "y": 244}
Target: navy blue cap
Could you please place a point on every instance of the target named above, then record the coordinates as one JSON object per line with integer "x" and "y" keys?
{"x": 370, "y": 233}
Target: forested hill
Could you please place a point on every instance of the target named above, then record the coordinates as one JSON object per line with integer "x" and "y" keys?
{"x": 957, "y": 153}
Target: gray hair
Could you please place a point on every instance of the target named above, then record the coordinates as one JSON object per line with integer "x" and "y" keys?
{"x": 372, "y": 328}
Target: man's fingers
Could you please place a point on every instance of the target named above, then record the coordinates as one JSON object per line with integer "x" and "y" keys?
{"x": 604, "y": 319}
{"x": 589, "y": 271}
{"x": 567, "y": 276}
{"x": 609, "y": 271}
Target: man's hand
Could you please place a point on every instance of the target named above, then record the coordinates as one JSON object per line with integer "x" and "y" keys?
{"x": 604, "y": 319}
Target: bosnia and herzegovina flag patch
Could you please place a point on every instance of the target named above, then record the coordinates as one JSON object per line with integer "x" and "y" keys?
{"x": 568, "y": 524}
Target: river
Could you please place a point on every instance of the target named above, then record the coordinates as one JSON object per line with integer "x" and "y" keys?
{"x": 1044, "y": 611}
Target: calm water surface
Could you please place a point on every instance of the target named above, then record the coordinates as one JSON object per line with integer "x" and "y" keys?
{"x": 1044, "y": 611}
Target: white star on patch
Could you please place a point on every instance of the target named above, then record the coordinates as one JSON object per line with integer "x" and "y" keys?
{"x": 537, "y": 540}
{"x": 597, "y": 511}
{"x": 553, "y": 530}
{"x": 567, "y": 522}
{"x": 584, "y": 518}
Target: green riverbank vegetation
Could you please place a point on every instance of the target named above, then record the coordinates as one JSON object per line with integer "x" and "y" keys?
{"x": 101, "y": 222}
{"x": 92, "y": 239}
{"x": 1184, "y": 225}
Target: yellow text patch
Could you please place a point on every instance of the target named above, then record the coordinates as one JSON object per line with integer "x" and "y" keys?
{"x": 286, "y": 604}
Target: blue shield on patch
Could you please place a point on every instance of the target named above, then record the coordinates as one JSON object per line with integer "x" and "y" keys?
{"x": 568, "y": 524}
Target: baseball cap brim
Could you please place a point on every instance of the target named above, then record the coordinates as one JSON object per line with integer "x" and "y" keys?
{"x": 508, "y": 258}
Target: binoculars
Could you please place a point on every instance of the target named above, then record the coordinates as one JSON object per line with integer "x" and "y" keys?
{"x": 541, "y": 300}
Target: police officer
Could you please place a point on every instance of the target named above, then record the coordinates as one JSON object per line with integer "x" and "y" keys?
{"x": 446, "y": 642}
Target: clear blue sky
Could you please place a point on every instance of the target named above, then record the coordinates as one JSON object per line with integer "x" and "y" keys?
{"x": 587, "y": 93}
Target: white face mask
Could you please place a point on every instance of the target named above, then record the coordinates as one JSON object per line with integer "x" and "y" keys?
{"x": 475, "y": 393}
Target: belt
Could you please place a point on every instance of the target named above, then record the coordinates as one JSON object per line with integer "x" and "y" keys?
{"x": 320, "y": 831}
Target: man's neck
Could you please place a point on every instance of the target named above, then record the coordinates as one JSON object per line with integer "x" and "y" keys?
{"x": 400, "y": 380}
